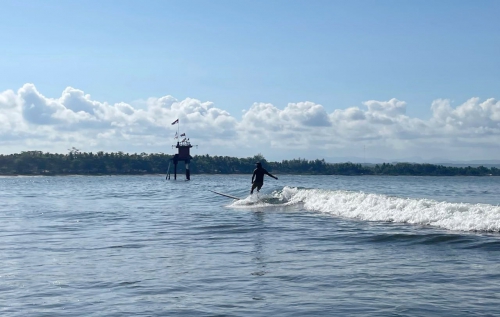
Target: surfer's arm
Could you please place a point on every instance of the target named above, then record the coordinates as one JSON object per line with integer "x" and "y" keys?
{"x": 271, "y": 175}
{"x": 253, "y": 176}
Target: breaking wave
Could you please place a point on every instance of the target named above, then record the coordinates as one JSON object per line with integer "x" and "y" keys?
{"x": 377, "y": 207}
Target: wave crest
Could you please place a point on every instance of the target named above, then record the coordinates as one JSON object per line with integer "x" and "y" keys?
{"x": 376, "y": 207}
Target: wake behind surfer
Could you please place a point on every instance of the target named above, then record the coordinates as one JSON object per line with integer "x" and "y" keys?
{"x": 258, "y": 177}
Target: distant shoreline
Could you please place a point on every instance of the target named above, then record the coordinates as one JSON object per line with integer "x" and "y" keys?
{"x": 37, "y": 163}
{"x": 180, "y": 175}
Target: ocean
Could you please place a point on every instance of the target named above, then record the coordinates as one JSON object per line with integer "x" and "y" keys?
{"x": 304, "y": 246}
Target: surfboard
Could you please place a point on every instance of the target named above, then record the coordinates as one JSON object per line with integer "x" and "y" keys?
{"x": 225, "y": 195}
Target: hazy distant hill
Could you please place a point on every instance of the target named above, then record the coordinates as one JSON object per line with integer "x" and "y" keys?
{"x": 416, "y": 160}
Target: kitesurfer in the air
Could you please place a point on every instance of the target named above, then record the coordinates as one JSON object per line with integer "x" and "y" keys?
{"x": 258, "y": 177}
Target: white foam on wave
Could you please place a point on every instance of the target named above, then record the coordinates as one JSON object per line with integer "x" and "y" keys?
{"x": 252, "y": 201}
{"x": 376, "y": 207}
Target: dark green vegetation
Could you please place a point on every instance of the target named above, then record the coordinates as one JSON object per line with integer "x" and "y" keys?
{"x": 100, "y": 163}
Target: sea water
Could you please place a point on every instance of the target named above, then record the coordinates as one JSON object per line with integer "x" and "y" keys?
{"x": 303, "y": 246}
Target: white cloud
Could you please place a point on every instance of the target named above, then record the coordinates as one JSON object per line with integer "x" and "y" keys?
{"x": 31, "y": 121}
{"x": 391, "y": 108}
{"x": 470, "y": 119}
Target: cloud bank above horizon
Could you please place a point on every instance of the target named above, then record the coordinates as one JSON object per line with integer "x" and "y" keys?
{"x": 31, "y": 121}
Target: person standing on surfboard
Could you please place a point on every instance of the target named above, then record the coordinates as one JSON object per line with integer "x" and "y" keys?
{"x": 258, "y": 177}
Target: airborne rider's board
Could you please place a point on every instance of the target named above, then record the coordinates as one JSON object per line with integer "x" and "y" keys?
{"x": 225, "y": 195}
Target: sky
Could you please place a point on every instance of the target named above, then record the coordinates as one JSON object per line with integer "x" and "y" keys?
{"x": 339, "y": 80}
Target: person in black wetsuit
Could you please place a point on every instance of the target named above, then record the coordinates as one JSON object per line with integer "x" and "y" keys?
{"x": 258, "y": 177}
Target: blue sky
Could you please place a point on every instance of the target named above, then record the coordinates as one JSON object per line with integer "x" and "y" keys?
{"x": 238, "y": 55}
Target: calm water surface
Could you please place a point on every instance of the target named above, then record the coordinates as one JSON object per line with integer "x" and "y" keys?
{"x": 306, "y": 246}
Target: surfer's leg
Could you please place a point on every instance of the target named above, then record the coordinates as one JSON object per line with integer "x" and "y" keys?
{"x": 254, "y": 184}
{"x": 259, "y": 186}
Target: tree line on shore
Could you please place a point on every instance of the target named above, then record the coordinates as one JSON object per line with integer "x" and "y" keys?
{"x": 119, "y": 163}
